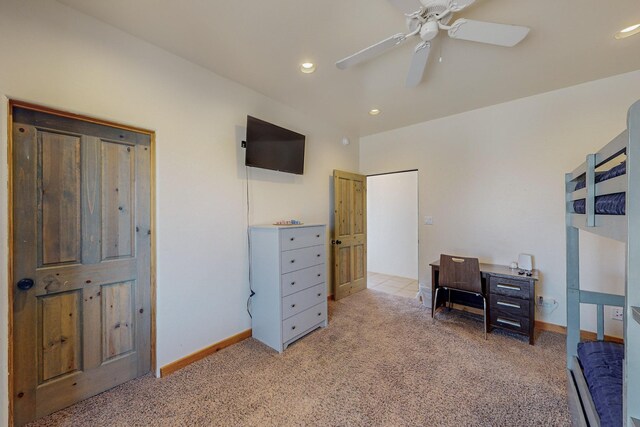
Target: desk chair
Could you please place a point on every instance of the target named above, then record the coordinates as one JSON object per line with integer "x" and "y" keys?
{"x": 462, "y": 275}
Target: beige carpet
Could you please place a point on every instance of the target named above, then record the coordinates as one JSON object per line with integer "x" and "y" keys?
{"x": 380, "y": 362}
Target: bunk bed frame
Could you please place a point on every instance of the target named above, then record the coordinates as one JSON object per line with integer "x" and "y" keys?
{"x": 624, "y": 228}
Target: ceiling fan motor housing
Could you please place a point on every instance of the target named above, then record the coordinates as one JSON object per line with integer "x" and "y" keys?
{"x": 436, "y": 7}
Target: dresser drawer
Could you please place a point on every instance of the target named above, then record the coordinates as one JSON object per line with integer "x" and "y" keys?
{"x": 513, "y": 323}
{"x": 301, "y": 322}
{"x": 507, "y": 306}
{"x": 509, "y": 287}
{"x": 295, "y": 238}
{"x": 298, "y": 259}
{"x": 300, "y": 301}
{"x": 302, "y": 279}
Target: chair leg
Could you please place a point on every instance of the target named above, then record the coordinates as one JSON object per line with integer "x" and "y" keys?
{"x": 484, "y": 304}
{"x": 435, "y": 304}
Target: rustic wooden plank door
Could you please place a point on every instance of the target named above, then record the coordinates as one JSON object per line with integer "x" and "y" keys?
{"x": 350, "y": 233}
{"x": 81, "y": 264}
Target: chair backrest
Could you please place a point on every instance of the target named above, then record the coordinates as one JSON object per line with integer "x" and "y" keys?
{"x": 460, "y": 273}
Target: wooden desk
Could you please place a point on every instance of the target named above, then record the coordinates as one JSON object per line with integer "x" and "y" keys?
{"x": 510, "y": 297}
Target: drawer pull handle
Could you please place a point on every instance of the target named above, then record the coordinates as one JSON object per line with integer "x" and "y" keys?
{"x": 292, "y": 239}
{"x": 293, "y": 327}
{"x": 318, "y": 236}
{"x": 318, "y": 274}
{"x": 509, "y": 322}
{"x": 293, "y": 305}
{"x": 508, "y": 304}
{"x": 292, "y": 261}
{"x": 319, "y": 294}
{"x": 318, "y": 255}
{"x": 320, "y": 314}
{"x": 293, "y": 283}
{"x": 510, "y": 287}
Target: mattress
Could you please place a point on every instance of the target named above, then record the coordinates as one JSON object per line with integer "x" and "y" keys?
{"x": 621, "y": 169}
{"x": 609, "y": 204}
{"x": 601, "y": 363}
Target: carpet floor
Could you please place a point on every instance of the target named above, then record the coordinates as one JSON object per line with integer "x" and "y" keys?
{"x": 381, "y": 362}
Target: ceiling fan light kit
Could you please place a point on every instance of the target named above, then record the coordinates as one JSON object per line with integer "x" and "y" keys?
{"x": 426, "y": 18}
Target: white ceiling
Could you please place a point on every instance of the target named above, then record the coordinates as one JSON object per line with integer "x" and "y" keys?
{"x": 260, "y": 44}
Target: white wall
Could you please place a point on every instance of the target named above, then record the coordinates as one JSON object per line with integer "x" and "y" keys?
{"x": 392, "y": 224}
{"x": 54, "y": 56}
{"x": 493, "y": 180}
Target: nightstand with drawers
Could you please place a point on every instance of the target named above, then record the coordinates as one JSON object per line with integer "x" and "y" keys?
{"x": 288, "y": 276}
{"x": 512, "y": 304}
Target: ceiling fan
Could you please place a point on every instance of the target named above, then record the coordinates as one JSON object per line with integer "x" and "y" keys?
{"x": 425, "y": 18}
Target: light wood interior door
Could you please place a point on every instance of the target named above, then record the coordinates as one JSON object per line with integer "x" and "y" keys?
{"x": 350, "y": 233}
{"x": 81, "y": 265}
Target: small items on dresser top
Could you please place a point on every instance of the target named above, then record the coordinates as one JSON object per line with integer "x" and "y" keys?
{"x": 288, "y": 222}
{"x": 524, "y": 264}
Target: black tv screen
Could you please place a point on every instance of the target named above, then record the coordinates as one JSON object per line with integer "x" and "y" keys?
{"x": 272, "y": 147}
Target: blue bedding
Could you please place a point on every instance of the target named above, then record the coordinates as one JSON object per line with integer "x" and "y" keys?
{"x": 609, "y": 204}
{"x": 621, "y": 169}
{"x": 602, "y": 366}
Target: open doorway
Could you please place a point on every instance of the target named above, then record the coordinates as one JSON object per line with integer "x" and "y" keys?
{"x": 392, "y": 233}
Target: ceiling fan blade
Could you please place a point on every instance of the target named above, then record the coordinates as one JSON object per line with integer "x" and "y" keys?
{"x": 406, "y": 6}
{"x": 371, "y": 51}
{"x": 418, "y": 64}
{"x": 458, "y": 5}
{"x": 488, "y": 32}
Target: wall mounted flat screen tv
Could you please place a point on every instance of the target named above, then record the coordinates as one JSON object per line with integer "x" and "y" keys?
{"x": 272, "y": 147}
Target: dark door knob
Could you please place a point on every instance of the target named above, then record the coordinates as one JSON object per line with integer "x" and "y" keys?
{"x": 336, "y": 242}
{"x": 25, "y": 284}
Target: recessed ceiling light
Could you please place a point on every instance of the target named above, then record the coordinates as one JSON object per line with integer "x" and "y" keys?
{"x": 374, "y": 111}
{"x": 629, "y": 31}
{"x": 307, "y": 67}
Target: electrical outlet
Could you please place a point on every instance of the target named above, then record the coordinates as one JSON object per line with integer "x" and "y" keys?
{"x": 546, "y": 305}
{"x": 428, "y": 220}
{"x": 617, "y": 313}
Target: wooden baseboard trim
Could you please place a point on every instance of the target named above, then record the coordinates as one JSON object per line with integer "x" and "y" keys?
{"x": 551, "y": 327}
{"x": 201, "y": 354}
{"x": 585, "y": 335}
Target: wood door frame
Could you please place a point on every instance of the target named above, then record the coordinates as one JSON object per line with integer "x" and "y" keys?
{"x": 152, "y": 213}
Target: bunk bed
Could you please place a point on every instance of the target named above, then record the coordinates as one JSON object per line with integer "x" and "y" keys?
{"x": 604, "y": 377}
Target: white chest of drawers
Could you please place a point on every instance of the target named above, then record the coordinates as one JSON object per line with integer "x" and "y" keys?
{"x": 288, "y": 269}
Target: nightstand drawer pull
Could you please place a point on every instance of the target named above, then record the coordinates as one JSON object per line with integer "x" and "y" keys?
{"x": 508, "y": 322}
{"x": 510, "y": 287}
{"x": 508, "y": 304}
